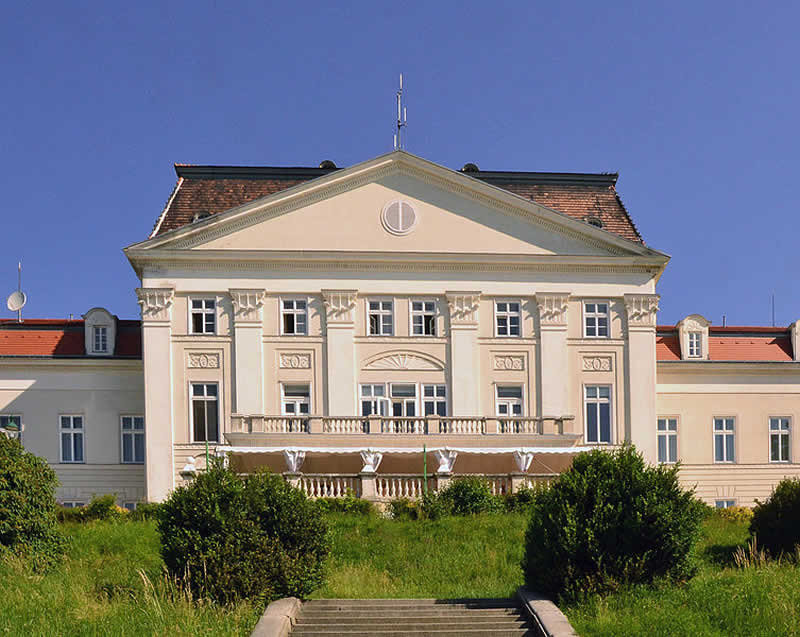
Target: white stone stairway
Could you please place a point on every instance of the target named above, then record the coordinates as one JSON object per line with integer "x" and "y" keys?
{"x": 415, "y": 617}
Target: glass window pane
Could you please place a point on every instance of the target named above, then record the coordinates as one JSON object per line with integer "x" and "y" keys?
{"x": 502, "y": 307}
{"x": 77, "y": 422}
{"x": 377, "y": 390}
{"x": 429, "y": 408}
{"x": 288, "y": 323}
{"x": 509, "y": 391}
{"x": 416, "y": 306}
{"x": 411, "y": 409}
{"x": 300, "y": 305}
{"x": 441, "y": 391}
{"x": 591, "y": 422}
{"x": 516, "y": 409}
{"x": 387, "y": 324}
{"x": 605, "y": 422}
{"x": 427, "y": 390}
{"x": 397, "y": 409}
{"x": 197, "y": 323}
{"x": 211, "y": 390}
{"x": 77, "y": 447}
{"x": 198, "y": 390}
{"x": 197, "y": 304}
{"x": 127, "y": 448}
{"x": 502, "y": 409}
{"x": 719, "y": 448}
{"x": 774, "y": 448}
{"x": 127, "y": 423}
{"x": 784, "y": 447}
{"x": 662, "y": 424}
{"x": 513, "y": 307}
{"x": 296, "y": 391}
{"x": 441, "y": 408}
{"x": 138, "y": 448}
{"x": 366, "y": 390}
{"x": 66, "y": 447}
{"x": 673, "y": 448}
{"x": 303, "y": 408}
{"x": 366, "y": 407}
{"x": 404, "y": 391}
{"x": 199, "y": 420}
{"x": 138, "y": 422}
{"x": 209, "y": 304}
{"x": 212, "y": 427}
{"x": 604, "y": 392}
{"x": 590, "y": 307}
{"x": 591, "y": 392}
{"x": 662, "y": 448}
{"x": 729, "y": 448}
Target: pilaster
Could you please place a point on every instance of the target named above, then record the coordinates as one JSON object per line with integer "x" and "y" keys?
{"x": 464, "y": 356}
{"x": 642, "y": 310}
{"x": 156, "y": 307}
{"x": 340, "y": 357}
{"x": 553, "y": 354}
{"x": 248, "y": 351}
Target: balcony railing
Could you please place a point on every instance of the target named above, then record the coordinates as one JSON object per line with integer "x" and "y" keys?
{"x": 429, "y": 425}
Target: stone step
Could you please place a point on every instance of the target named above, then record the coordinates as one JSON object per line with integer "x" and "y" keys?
{"x": 400, "y": 615}
{"x": 415, "y": 623}
{"x": 416, "y": 603}
{"x": 426, "y": 632}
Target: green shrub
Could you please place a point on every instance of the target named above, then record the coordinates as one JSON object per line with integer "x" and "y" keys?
{"x": 403, "y": 509}
{"x": 609, "y": 521}
{"x": 433, "y": 506}
{"x": 255, "y": 537}
{"x": 522, "y": 500}
{"x": 735, "y": 514}
{"x": 776, "y": 522}
{"x": 349, "y": 504}
{"x": 145, "y": 511}
{"x": 28, "y": 525}
{"x": 470, "y": 495}
{"x": 70, "y": 514}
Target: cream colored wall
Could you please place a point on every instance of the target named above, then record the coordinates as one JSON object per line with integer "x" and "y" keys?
{"x": 99, "y": 390}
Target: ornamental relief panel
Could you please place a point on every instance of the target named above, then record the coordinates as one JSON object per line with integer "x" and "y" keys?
{"x": 597, "y": 364}
{"x": 404, "y": 360}
{"x": 202, "y": 360}
{"x": 509, "y": 362}
{"x": 295, "y": 360}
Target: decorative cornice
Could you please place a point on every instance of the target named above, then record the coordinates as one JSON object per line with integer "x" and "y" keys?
{"x": 156, "y": 303}
{"x": 642, "y": 309}
{"x": 552, "y": 307}
{"x": 247, "y": 304}
{"x": 463, "y": 307}
{"x": 339, "y": 305}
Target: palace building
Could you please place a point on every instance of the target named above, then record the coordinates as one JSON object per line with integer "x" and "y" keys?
{"x": 359, "y": 328}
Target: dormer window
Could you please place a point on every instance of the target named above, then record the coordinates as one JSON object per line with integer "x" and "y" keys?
{"x": 100, "y": 340}
{"x": 695, "y": 340}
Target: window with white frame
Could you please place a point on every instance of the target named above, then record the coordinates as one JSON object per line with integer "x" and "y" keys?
{"x": 508, "y": 401}
{"x": 294, "y": 316}
{"x": 130, "y": 506}
{"x": 667, "y": 440}
{"x": 100, "y": 340}
{"x": 779, "y": 439}
{"x": 423, "y": 318}
{"x": 403, "y": 399}
{"x": 595, "y": 319}
{"x": 11, "y": 424}
{"x": 724, "y": 440}
{"x": 695, "y": 344}
{"x": 507, "y": 318}
{"x": 132, "y": 439}
{"x": 203, "y": 318}
{"x": 381, "y": 317}
{"x": 295, "y": 400}
{"x": 597, "y": 403}
{"x": 71, "y": 429}
{"x": 724, "y": 504}
{"x": 205, "y": 412}
{"x": 374, "y": 401}
{"x": 434, "y": 400}
{"x": 72, "y": 504}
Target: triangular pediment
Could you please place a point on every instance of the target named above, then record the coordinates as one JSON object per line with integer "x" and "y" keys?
{"x": 347, "y": 211}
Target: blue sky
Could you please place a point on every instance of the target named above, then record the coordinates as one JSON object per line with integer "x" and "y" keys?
{"x": 695, "y": 104}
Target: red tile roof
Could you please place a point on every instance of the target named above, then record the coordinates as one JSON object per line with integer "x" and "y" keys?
{"x": 209, "y": 190}
{"x": 55, "y": 338}
{"x": 732, "y": 343}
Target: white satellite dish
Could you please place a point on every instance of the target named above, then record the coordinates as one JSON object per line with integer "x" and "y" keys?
{"x": 16, "y": 301}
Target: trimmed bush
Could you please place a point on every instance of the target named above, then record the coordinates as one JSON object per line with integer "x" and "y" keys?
{"x": 145, "y": 511}
{"x": 403, "y": 509}
{"x": 349, "y": 504}
{"x": 28, "y": 525}
{"x": 469, "y": 495}
{"x": 776, "y": 522}
{"x": 609, "y": 521}
{"x": 522, "y": 500}
{"x": 255, "y": 537}
{"x": 735, "y": 514}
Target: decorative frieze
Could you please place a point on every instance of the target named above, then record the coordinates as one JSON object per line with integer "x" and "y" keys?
{"x": 597, "y": 364}
{"x": 202, "y": 360}
{"x": 407, "y": 361}
{"x": 552, "y": 307}
{"x": 340, "y": 305}
{"x": 509, "y": 362}
{"x": 642, "y": 309}
{"x": 463, "y": 307}
{"x": 247, "y": 304}
{"x": 292, "y": 360}
{"x": 156, "y": 303}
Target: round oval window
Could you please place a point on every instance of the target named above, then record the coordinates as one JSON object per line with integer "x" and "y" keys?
{"x": 399, "y": 217}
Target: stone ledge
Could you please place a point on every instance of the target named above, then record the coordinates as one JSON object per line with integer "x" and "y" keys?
{"x": 546, "y": 617}
{"x": 278, "y": 618}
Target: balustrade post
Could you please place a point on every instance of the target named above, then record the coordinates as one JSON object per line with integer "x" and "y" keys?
{"x": 369, "y": 489}
{"x": 492, "y": 426}
{"x": 293, "y": 479}
{"x": 315, "y": 425}
{"x": 442, "y": 480}
{"x": 433, "y": 424}
{"x": 518, "y": 480}
{"x": 374, "y": 424}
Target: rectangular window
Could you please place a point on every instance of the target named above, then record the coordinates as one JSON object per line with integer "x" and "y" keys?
{"x": 71, "y": 429}
{"x": 403, "y": 399}
{"x": 294, "y": 316}
{"x": 779, "y": 439}
{"x": 598, "y": 413}
{"x": 72, "y": 504}
{"x": 668, "y": 440}
{"x": 296, "y": 400}
{"x": 724, "y": 504}
{"x": 205, "y": 412}
{"x": 130, "y": 506}
{"x": 508, "y": 401}
{"x": 203, "y": 316}
{"x": 723, "y": 440}
{"x": 695, "y": 345}
{"x": 423, "y": 318}
{"x": 381, "y": 318}
{"x": 434, "y": 400}
{"x": 100, "y": 339}
{"x": 374, "y": 401}
{"x": 132, "y": 439}
{"x": 11, "y": 424}
{"x": 507, "y": 317}
{"x": 595, "y": 320}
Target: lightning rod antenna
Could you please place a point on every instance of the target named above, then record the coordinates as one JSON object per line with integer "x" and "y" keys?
{"x": 402, "y": 121}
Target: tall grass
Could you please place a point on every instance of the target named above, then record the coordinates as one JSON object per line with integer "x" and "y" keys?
{"x": 111, "y": 583}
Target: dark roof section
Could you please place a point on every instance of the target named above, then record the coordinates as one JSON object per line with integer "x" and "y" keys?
{"x": 63, "y": 338}
{"x": 215, "y": 189}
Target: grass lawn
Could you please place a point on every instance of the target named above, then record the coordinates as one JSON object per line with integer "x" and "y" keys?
{"x": 98, "y": 590}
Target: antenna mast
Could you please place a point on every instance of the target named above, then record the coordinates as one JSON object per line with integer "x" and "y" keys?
{"x": 402, "y": 122}
{"x": 19, "y": 289}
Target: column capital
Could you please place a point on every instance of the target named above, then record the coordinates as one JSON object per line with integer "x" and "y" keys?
{"x": 247, "y": 304}
{"x": 155, "y": 303}
{"x": 340, "y": 306}
{"x": 552, "y": 308}
{"x": 463, "y": 307}
{"x": 641, "y": 309}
